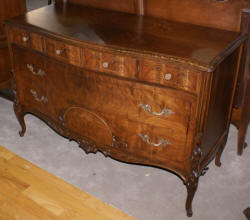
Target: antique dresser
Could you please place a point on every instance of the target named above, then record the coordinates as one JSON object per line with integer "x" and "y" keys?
{"x": 138, "y": 88}
{"x": 8, "y": 9}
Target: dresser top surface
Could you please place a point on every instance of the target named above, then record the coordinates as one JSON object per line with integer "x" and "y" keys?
{"x": 131, "y": 32}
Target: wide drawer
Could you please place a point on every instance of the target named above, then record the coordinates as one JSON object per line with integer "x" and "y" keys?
{"x": 128, "y": 100}
{"x": 155, "y": 142}
{"x": 169, "y": 75}
{"x": 123, "y": 135}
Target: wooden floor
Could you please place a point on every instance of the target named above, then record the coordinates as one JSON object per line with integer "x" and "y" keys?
{"x": 28, "y": 192}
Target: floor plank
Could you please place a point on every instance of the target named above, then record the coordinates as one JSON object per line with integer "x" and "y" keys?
{"x": 29, "y": 192}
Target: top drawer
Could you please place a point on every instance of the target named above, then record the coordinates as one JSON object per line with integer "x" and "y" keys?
{"x": 109, "y": 63}
{"x": 26, "y": 39}
{"x": 172, "y": 76}
{"x": 63, "y": 51}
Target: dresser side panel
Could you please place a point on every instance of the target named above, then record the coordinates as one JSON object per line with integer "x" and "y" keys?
{"x": 220, "y": 104}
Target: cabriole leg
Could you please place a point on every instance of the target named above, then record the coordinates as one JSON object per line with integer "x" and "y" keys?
{"x": 219, "y": 153}
{"x": 191, "y": 185}
{"x": 20, "y": 117}
{"x": 244, "y": 120}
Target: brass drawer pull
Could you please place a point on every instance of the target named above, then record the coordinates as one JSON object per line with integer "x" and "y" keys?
{"x": 105, "y": 65}
{"x": 25, "y": 39}
{"x": 31, "y": 69}
{"x": 42, "y": 99}
{"x": 161, "y": 142}
{"x": 168, "y": 76}
{"x": 165, "y": 112}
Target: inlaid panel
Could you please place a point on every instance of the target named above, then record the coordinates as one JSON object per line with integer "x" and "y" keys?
{"x": 169, "y": 75}
{"x": 62, "y": 51}
{"x": 26, "y": 39}
{"x": 109, "y": 63}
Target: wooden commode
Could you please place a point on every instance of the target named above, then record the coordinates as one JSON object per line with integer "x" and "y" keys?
{"x": 139, "y": 89}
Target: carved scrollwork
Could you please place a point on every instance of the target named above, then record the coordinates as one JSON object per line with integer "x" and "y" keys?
{"x": 196, "y": 156}
{"x": 204, "y": 171}
{"x": 18, "y": 109}
{"x": 87, "y": 145}
{"x": 58, "y": 128}
{"x": 118, "y": 143}
{"x": 193, "y": 178}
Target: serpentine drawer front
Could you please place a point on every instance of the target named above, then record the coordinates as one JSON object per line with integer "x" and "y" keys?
{"x": 109, "y": 63}
{"x": 138, "y": 89}
{"x": 26, "y": 39}
{"x": 159, "y": 123}
{"x": 169, "y": 75}
{"x": 61, "y": 51}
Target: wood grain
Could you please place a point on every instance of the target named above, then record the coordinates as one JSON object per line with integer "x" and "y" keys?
{"x": 191, "y": 44}
{"x": 210, "y": 13}
{"x": 123, "y": 5}
{"x": 29, "y": 192}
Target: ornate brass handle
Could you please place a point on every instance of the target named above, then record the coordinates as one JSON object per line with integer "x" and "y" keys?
{"x": 161, "y": 142}
{"x": 105, "y": 64}
{"x": 25, "y": 39}
{"x": 31, "y": 69}
{"x": 35, "y": 95}
{"x": 165, "y": 112}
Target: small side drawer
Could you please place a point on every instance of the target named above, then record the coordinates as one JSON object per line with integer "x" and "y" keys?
{"x": 109, "y": 63}
{"x": 168, "y": 75}
{"x": 62, "y": 51}
{"x": 26, "y": 39}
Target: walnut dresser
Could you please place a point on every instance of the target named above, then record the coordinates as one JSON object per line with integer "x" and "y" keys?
{"x": 139, "y": 89}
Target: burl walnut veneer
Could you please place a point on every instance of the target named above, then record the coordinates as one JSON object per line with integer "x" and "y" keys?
{"x": 139, "y": 89}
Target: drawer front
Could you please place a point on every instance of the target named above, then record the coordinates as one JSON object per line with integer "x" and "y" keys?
{"x": 149, "y": 141}
{"x": 26, "y": 39}
{"x": 168, "y": 75}
{"x": 34, "y": 96}
{"x": 130, "y": 100}
{"x": 30, "y": 67}
{"x": 65, "y": 52}
{"x": 152, "y": 121}
{"x": 149, "y": 132}
{"x": 141, "y": 140}
{"x": 109, "y": 63}
{"x": 32, "y": 76}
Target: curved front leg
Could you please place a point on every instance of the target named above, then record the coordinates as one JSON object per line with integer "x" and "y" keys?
{"x": 20, "y": 117}
{"x": 219, "y": 153}
{"x": 192, "y": 185}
